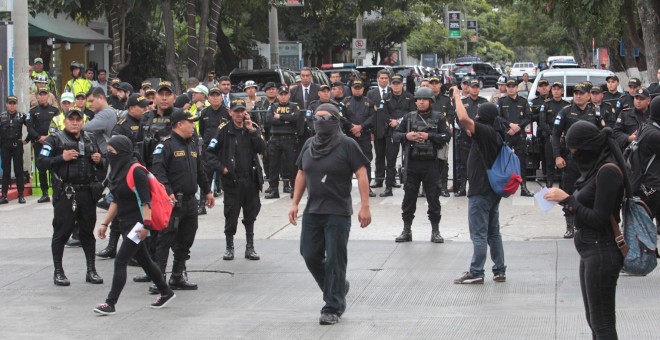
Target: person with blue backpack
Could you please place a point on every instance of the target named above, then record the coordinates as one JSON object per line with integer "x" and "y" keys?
{"x": 486, "y": 130}
{"x": 595, "y": 202}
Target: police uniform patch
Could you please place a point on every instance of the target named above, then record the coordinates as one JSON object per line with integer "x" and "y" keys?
{"x": 193, "y": 153}
{"x": 618, "y": 120}
{"x": 179, "y": 153}
{"x": 159, "y": 149}
{"x": 45, "y": 151}
{"x": 558, "y": 120}
{"x": 135, "y": 128}
{"x": 213, "y": 143}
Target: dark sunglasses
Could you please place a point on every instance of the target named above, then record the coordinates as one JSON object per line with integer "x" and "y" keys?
{"x": 324, "y": 118}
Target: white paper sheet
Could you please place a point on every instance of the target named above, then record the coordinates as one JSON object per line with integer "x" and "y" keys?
{"x": 544, "y": 204}
{"x": 132, "y": 235}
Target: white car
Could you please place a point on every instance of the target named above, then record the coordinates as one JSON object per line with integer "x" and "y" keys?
{"x": 521, "y": 68}
{"x": 569, "y": 77}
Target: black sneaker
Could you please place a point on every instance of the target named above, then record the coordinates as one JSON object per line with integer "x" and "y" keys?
{"x": 499, "y": 277}
{"x": 105, "y": 309}
{"x": 162, "y": 300}
{"x": 73, "y": 243}
{"x": 21, "y": 200}
{"x": 4, "y": 200}
{"x": 43, "y": 199}
{"x": 328, "y": 319}
{"x": 468, "y": 278}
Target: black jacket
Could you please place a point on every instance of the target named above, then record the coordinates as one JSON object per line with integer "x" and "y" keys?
{"x": 40, "y": 117}
{"x": 290, "y": 122}
{"x": 81, "y": 170}
{"x": 210, "y": 121}
{"x": 297, "y": 95}
{"x": 178, "y": 165}
{"x": 380, "y": 118}
{"x": 395, "y": 108}
{"x": 359, "y": 111}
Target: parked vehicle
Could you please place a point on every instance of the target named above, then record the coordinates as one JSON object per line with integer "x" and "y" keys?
{"x": 372, "y": 71}
{"x": 344, "y": 69}
{"x": 521, "y": 68}
{"x": 261, "y": 76}
{"x": 486, "y": 74}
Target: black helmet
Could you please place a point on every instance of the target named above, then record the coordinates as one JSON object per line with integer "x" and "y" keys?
{"x": 425, "y": 93}
{"x": 75, "y": 64}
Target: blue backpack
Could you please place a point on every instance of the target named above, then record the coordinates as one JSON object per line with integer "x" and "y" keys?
{"x": 504, "y": 174}
{"x": 638, "y": 242}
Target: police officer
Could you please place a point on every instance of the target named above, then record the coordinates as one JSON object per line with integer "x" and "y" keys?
{"x": 397, "y": 104}
{"x": 156, "y": 123}
{"x": 547, "y": 113}
{"x": 464, "y": 142}
{"x": 422, "y": 132}
{"x": 234, "y": 152}
{"x": 129, "y": 126}
{"x": 178, "y": 165}
{"x": 324, "y": 98}
{"x": 543, "y": 93}
{"x": 612, "y": 94}
{"x": 210, "y": 120}
{"x": 630, "y": 120}
{"x": 443, "y": 104}
{"x": 581, "y": 109}
{"x": 11, "y": 142}
{"x": 627, "y": 101}
{"x": 74, "y": 160}
{"x": 259, "y": 116}
{"x": 78, "y": 82}
{"x": 605, "y": 111}
{"x": 284, "y": 119}
{"x": 516, "y": 115}
{"x": 39, "y": 124}
{"x": 81, "y": 103}
{"x": 360, "y": 113}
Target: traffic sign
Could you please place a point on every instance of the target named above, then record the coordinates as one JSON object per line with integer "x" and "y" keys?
{"x": 359, "y": 47}
{"x": 471, "y": 25}
{"x": 289, "y": 3}
{"x": 454, "y": 24}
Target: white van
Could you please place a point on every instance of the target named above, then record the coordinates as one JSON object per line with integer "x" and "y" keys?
{"x": 569, "y": 77}
{"x": 567, "y": 58}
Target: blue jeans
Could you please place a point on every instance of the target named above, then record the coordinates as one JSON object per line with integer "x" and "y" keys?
{"x": 323, "y": 241}
{"x": 484, "y": 220}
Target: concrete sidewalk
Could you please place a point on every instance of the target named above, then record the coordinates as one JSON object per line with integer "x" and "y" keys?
{"x": 397, "y": 291}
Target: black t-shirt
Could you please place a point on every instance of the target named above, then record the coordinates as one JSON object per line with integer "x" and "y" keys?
{"x": 485, "y": 147}
{"x": 128, "y": 209}
{"x": 649, "y": 145}
{"x": 329, "y": 179}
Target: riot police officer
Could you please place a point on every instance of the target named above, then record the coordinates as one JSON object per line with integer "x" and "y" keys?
{"x": 471, "y": 103}
{"x": 11, "y": 141}
{"x": 156, "y": 123}
{"x": 178, "y": 165}
{"x": 234, "y": 152}
{"x": 285, "y": 120}
{"x": 627, "y": 100}
{"x": 210, "y": 120}
{"x": 444, "y": 105}
{"x": 630, "y": 120}
{"x": 74, "y": 160}
{"x": 360, "y": 113}
{"x": 547, "y": 113}
{"x": 39, "y": 125}
{"x": 260, "y": 115}
{"x": 516, "y": 115}
{"x": 581, "y": 109}
{"x": 422, "y": 133}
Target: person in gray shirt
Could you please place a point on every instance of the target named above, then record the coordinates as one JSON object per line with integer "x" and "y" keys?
{"x": 105, "y": 118}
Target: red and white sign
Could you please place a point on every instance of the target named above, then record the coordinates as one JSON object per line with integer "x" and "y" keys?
{"x": 359, "y": 47}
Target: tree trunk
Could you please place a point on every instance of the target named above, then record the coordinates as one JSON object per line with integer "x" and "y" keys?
{"x": 201, "y": 47}
{"x": 227, "y": 56}
{"x": 649, "y": 18}
{"x": 214, "y": 17}
{"x": 630, "y": 26}
{"x": 113, "y": 16}
{"x": 192, "y": 37}
{"x": 170, "y": 64}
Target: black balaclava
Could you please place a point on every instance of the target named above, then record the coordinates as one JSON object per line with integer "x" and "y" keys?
{"x": 655, "y": 109}
{"x": 592, "y": 148}
{"x": 119, "y": 162}
{"x": 328, "y": 134}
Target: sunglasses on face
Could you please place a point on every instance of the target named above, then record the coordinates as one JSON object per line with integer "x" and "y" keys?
{"x": 324, "y": 118}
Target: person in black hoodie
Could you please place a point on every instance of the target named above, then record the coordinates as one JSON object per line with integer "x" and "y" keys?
{"x": 597, "y": 197}
{"x": 129, "y": 211}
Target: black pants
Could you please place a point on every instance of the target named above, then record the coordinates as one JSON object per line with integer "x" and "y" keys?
{"x": 380, "y": 147}
{"x": 570, "y": 174}
{"x": 240, "y": 194}
{"x": 518, "y": 143}
{"x": 549, "y": 161}
{"x": 600, "y": 264}
{"x": 12, "y": 152}
{"x": 65, "y": 218}
{"x": 426, "y": 173}
{"x": 180, "y": 233}
{"x": 323, "y": 245}
{"x": 365, "y": 145}
{"x": 43, "y": 176}
{"x": 282, "y": 157}
{"x": 464, "y": 146}
{"x": 126, "y": 252}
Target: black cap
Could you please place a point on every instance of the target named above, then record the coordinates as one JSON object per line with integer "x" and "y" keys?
{"x": 543, "y": 82}
{"x": 357, "y": 83}
{"x": 328, "y": 107}
{"x": 165, "y": 85}
{"x": 466, "y": 80}
{"x": 237, "y": 104}
{"x": 397, "y": 79}
{"x": 501, "y": 80}
{"x": 634, "y": 82}
{"x": 74, "y": 110}
{"x": 215, "y": 89}
{"x": 558, "y": 83}
{"x": 126, "y": 87}
{"x": 180, "y": 115}
{"x": 12, "y": 99}
{"x": 115, "y": 82}
{"x": 511, "y": 82}
{"x": 644, "y": 93}
{"x": 43, "y": 90}
{"x": 145, "y": 83}
{"x": 474, "y": 82}
{"x": 612, "y": 76}
{"x": 137, "y": 99}
{"x": 283, "y": 89}
{"x": 596, "y": 89}
{"x": 149, "y": 91}
{"x": 83, "y": 94}
{"x": 337, "y": 83}
{"x": 434, "y": 79}
{"x": 269, "y": 85}
{"x": 581, "y": 87}
{"x": 324, "y": 87}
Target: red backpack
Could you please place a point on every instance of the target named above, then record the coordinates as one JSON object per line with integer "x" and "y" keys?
{"x": 161, "y": 204}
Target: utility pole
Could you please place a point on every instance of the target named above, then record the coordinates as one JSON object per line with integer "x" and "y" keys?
{"x": 19, "y": 16}
{"x": 358, "y": 34}
{"x": 273, "y": 37}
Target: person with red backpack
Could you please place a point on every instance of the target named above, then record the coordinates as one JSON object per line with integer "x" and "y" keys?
{"x": 132, "y": 204}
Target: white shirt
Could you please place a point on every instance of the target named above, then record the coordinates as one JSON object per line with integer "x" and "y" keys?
{"x": 380, "y": 91}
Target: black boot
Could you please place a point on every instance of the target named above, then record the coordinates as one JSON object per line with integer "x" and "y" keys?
{"x": 387, "y": 192}
{"x": 444, "y": 192}
{"x": 372, "y": 193}
{"x": 524, "y": 192}
{"x": 273, "y": 194}
{"x": 377, "y": 184}
{"x": 4, "y": 200}
{"x": 570, "y": 227}
{"x": 177, "y": 280}
{"x": 201, "y": 207}
{"x": 250, "y": 254}
{"x": 21, "y": 199}
{"x": 435, "y": 234}
{"x": 286, "y": 187}
{"x": 406, "y": 234}
{"x": 111, "y": 250}
{"x": 229, "y": 253}
{"x": 461, "y": 189}
{"x": 59, "y": 279}
{"x": 269, "y": 190}
{"x": 92, "y": 276}
{"x": 549, "y": 182}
